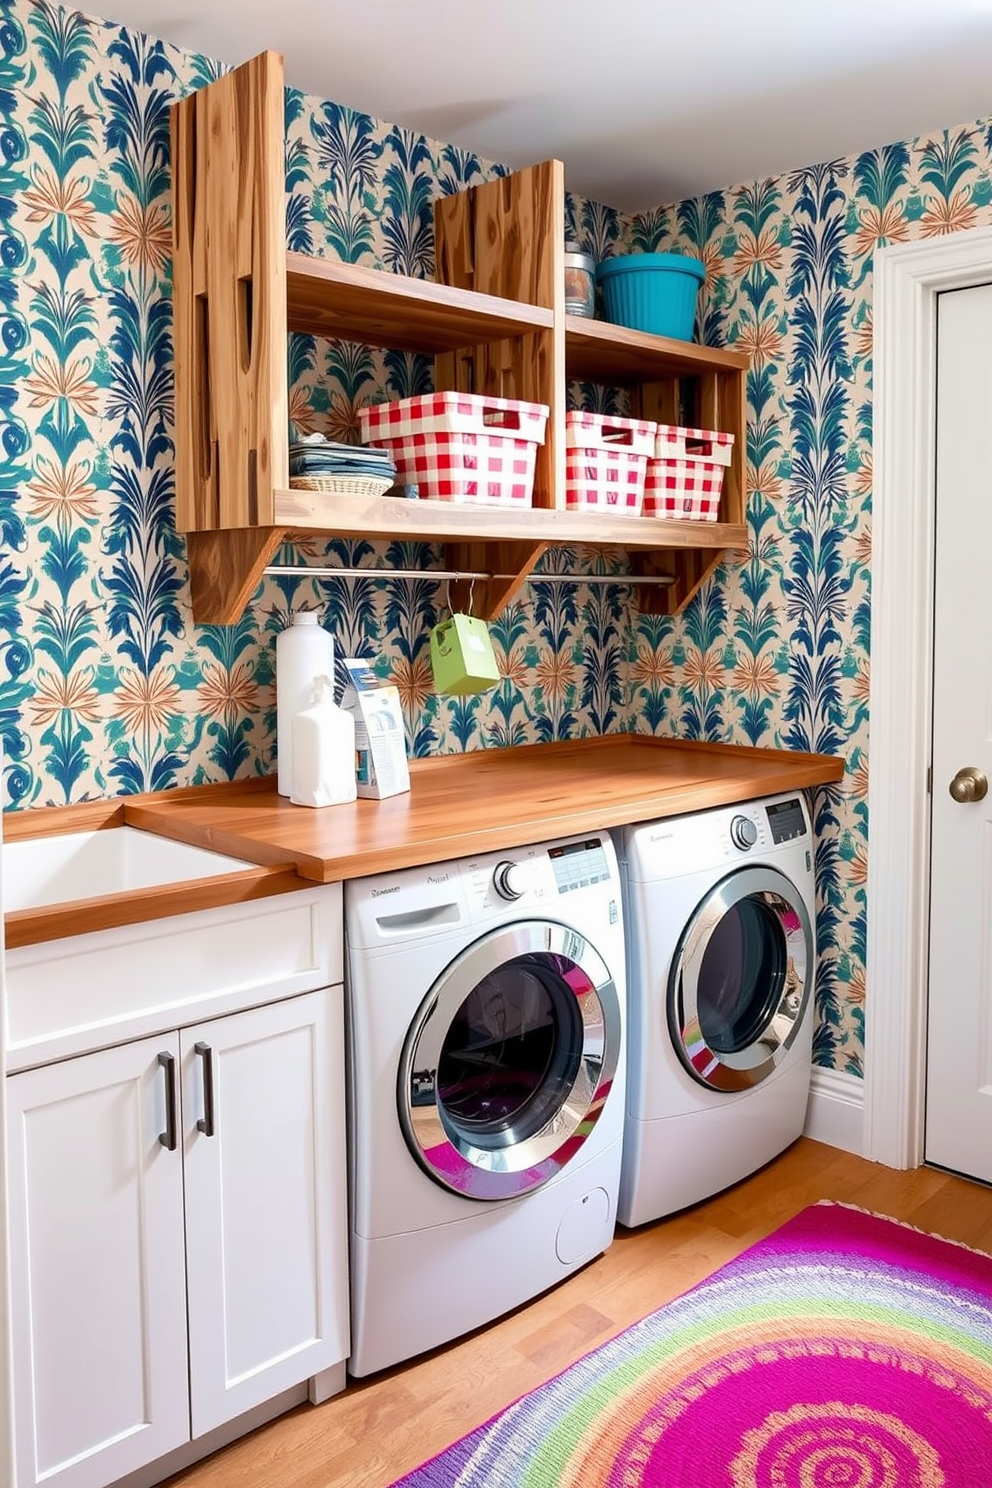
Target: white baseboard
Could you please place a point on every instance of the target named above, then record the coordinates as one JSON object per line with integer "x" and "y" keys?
{"x": 835, "y": 1113}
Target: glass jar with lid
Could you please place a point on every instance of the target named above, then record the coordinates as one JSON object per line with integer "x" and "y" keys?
{"x": 580, "y": 281}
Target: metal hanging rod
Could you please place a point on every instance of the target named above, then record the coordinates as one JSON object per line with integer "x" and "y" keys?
{"x": 441, "y": 575}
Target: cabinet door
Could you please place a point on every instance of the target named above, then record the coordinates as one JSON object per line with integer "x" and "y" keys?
{"x": 266, "y": 1227}
{"x": 98, "y": 1305}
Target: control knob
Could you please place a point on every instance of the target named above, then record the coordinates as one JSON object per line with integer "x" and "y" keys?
{"x": 511, "y": 880}
{"x": 743, "y": 832}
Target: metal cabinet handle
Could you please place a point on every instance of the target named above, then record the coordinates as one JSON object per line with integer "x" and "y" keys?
{"x": 170, "y": 1137}
{"x": 206, "y": 1121}
{"x": 969, "y": 784}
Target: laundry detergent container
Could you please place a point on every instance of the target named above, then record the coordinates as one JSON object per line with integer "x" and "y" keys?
{"x": 654, "y": 292}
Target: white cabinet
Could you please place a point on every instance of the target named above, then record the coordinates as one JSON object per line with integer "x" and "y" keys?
{"x": 98, "y": 1283}
{"x": 192, "y": 1181}
{"x": 266, "y": 1230}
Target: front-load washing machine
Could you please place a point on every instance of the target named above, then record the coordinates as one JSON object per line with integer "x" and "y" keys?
{"x": 720, "y": 916}
{"x": 486, "y": 1095}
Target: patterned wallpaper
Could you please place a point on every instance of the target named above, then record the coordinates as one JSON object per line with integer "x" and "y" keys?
{"x": 106, "y": 686}
{"x": 777, "y": 650}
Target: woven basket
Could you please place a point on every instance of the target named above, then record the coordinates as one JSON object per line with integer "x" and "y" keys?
{"x": 343, "y": 485}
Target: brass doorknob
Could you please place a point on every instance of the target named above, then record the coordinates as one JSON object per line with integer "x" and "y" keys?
{"x": 969, "y": 784}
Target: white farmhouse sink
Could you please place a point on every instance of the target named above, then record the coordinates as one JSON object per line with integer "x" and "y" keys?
{"x": 88, "y": 865}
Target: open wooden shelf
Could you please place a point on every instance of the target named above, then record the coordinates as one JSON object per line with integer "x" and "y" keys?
{"x": 442, "y": 521}
{"x": 494, "y": 322}
{"x": 596, "y": 351}
{"x": 337, "y": 300}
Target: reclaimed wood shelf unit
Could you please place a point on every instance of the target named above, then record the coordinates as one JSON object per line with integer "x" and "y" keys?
{"x": 494, "y": 322}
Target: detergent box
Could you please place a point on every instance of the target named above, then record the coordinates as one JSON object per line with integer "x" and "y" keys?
{"x": 380, "y": 741}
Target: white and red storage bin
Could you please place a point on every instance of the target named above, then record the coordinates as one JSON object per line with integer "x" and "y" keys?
{"x": 460, "y": 447}
{"x": 685, "y": 473}
{"x": 606, "y": 462}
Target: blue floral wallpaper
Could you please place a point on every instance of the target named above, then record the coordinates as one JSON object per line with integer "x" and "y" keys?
{"x": 777, "y": 649}
{"x": 107, "y": 687}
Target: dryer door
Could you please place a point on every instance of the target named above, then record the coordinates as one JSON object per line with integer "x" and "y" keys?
{"x": 741, "y": 979}
{"x": 509, "y": 1060}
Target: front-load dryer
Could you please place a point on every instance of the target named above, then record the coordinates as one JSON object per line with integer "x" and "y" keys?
{"x": 720, "y": 916}
{"x": 486, "y": 1095}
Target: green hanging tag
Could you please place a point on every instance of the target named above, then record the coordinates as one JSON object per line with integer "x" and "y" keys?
{"x": 462, "y": 657}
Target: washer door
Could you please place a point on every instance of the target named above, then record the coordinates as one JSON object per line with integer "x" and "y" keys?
{"x": 741, "y": 979}
{"x": 509, "y": 1061}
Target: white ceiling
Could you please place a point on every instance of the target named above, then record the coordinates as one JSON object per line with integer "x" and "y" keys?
{"x": 646, "y": 101}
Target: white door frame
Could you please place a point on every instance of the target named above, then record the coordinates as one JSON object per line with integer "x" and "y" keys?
{"x": 908, "y": 278}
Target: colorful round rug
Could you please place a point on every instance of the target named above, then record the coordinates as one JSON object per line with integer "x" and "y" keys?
{"x": 844, "y": 1351}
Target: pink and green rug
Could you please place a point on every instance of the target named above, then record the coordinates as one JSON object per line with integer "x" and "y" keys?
{"x": 844, "y": 1351}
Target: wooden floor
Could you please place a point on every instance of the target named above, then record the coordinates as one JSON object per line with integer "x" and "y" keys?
{"x": 380, "y": 1428}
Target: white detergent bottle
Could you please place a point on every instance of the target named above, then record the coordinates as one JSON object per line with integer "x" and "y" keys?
{"x": 323, "y": 751}
{"x": 304, "y": 650}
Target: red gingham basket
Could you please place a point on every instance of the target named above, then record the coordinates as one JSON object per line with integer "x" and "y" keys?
{"x": 685, "y": 474}
{"x": 605, "y": 462}
{"x": 460, "y": 447}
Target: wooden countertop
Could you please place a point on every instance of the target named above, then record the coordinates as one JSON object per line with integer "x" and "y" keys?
{"x": 458, "y": 805}
{"x": 463, "y": 804}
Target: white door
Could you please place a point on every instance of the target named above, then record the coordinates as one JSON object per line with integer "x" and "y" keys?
{"x": 266, "y": 1226}
{"x": 959, "y": 1013}
{"x": 98, "y": 1305}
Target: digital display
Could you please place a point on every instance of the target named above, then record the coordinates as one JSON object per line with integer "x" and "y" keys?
{"x": 786, "y": 820}
{"x": 578, "y": 864}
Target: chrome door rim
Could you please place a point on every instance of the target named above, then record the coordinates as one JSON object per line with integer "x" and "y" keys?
{"x": 501, "y": 1172}
{"x": 745, "y": 1068}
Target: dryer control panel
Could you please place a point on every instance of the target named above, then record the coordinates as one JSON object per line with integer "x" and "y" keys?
{"x": 677, "y": 847}
{"x": 786, "y": 820}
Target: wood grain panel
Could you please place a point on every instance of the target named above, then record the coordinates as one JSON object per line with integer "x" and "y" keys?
{"x": 506, "y": 238}
{"x": 733, "y": 420}
{"x": 710, "y": 412}
{"x": 489, "y": 799}
{"x": 229, "y": 297}
{"x": 658, "y": 401}
{"x": 224, "y": 569}
{"x": 196, "y": 500}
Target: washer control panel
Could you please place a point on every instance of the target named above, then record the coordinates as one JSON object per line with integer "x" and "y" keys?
{"x": 526, "y": 880}
{"x": 576, "y": 865}
{"x": 743, "y": 832}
